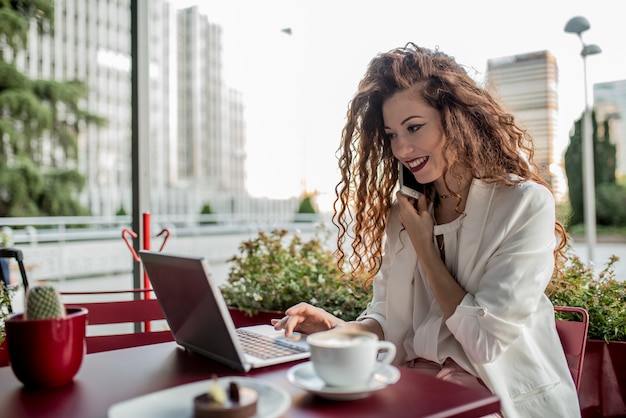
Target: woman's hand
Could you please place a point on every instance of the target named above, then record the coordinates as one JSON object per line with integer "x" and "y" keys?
{"x": 306, "y": 319}
{"x": 417, "y": 221}
{"x": 420, "y": 225}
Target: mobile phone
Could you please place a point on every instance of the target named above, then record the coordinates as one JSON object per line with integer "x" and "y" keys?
{"x": 408, "y": 185}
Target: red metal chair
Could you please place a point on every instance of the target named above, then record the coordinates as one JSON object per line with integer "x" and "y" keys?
{"x": 573, "y": 335}
{"x": 106, "y": 319}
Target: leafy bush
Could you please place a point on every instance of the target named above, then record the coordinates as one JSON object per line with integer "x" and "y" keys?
{"x": 273, "y": 273}
{"x": 306, "y": 205}
{"x": 604, "y": 297}
{"x": 207, "y": 210}
{"x": 306, "y": 208}
{"x": 5, "y": 304}
{"x": 121, "y": 211}
{"x": 611, "y": 204}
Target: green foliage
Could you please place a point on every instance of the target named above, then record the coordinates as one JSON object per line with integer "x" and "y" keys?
{"x": 121, "y": 211}
{"x": 306, "y": 205}
{"x": 60, "y": 196}
{"x": 273, "y": 273}
{"x": 573, "y": 170}
{"x": 4, "y": 239}
{"x": 604, "y": 297}
{"x": 306, "y": 208}
{"x": 16, "y": 16}
{"x": 604, "y": 167}
{"x": 25, "y": 190}
{"x": 564, "y": 213}
{"x": 206, "y": 209}
{"x": 20, "y": 186}
{"x": 5, "y": 303}
{"x": 37, "y": 115}
{"x": 605, "y": 155}
{"x": 611, "y": 204}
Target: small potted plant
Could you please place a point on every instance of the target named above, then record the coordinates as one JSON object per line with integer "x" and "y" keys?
{"x": 46, "y": 343}
{"x": 603, "y": 384}
{"x": 273, "y": 272}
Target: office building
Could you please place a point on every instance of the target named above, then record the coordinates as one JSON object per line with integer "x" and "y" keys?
{"x": 610, "y": 105}
{"x": 196, "y": 127}
{"x": 526, "y": 85}
{"x": 211, "y": 130}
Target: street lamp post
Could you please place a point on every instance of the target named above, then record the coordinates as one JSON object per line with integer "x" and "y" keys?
{"x": 578, "y": 25}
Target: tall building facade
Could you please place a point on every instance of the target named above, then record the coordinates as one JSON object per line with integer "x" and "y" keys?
{"x": 526, "y": 85}
{"x": 609, "y": 100}
{"x": 211, "y": 134}
{"x": 91, "y": 43}
{"x": 196, "y": 127}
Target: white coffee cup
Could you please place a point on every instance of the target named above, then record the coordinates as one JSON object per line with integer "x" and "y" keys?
{"x": 343, "y": 357}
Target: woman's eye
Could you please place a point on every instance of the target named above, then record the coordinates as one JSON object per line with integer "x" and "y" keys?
{"x": 415, "y": 128}
{"x": 390, "y": 136}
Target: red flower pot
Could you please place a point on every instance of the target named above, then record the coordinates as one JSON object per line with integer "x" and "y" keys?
{"x": 603, "y": 384}
{"x": 46, "y": 352}
{"x": 4, "y": 354}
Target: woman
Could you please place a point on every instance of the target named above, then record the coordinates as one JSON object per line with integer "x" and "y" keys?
{"x": 459, "y": 287}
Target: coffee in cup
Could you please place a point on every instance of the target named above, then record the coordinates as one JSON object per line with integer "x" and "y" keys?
{"x": 343, "y": 357}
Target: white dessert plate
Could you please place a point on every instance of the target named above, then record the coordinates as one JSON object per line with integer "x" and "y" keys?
{"x": 303, "y": 376}
{"x": 177, "y": 402}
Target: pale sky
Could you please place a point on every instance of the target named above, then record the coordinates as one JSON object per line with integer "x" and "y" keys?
{"x": 297, "y": 87}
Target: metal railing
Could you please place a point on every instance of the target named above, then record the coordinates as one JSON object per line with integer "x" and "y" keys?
{"x": 59, "y": 248}
{"x": 33, "y": 230}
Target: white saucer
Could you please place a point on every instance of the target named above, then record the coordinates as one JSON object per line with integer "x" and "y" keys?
{"x": 177, "y": 402}
{"x": 303, "y": 376}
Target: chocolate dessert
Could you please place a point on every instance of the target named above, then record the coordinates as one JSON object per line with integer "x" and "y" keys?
{"x": 216, "y": 403}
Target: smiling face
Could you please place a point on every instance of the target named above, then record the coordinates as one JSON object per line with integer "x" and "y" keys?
{"x": 416, "y": 135}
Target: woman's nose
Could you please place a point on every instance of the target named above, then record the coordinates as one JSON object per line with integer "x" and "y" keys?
{"x": 404, "y": 146}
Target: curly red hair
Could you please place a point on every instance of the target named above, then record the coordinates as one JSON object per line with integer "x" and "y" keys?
{"x": 481, "y": 136}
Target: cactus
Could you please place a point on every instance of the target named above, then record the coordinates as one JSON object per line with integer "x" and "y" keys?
{"x": 43, "y": 302}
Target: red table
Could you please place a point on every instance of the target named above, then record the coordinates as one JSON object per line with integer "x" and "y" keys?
{"x": 110, "y": 377}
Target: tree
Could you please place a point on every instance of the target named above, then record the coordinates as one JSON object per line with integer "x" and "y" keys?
{"x": 207, "y": 210}
{"x": 604, "y": 159}
{"x": 573, "y": 171}
{"x": 306, "y": 207}
{"x": 39, "y": 123}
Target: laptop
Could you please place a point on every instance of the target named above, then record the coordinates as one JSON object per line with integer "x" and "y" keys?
{"x": 198, "y": 317}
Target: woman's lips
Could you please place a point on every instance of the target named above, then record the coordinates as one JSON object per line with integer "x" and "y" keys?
{"x": 417, "y": 164}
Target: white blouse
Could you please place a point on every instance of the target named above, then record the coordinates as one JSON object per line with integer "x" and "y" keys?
{"x": 430, "y": 338}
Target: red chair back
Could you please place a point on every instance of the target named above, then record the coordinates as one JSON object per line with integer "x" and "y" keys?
{"x": 573, "y": 335}
{"x": 105, "y": 319}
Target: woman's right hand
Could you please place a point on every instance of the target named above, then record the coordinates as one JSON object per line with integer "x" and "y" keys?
{"x": 307, "y": 319}
{"x": 416, "y": 219}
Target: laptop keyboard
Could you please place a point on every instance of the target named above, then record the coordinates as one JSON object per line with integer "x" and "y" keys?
{"x": 265, "y": 347}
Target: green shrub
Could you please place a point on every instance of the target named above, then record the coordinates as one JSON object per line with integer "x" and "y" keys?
{"x": 5, "y": 304}
{"x": 121, "y": 211}
{"x": 305, "y": 210}
{"x": 273, "y": 273}
{"x": 604, "y": 297}
{"x": 207, "y": 210}
{"x": 611, "y": 204}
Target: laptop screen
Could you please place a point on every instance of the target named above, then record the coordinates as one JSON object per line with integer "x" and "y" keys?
{"x": 193, "y": 305}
